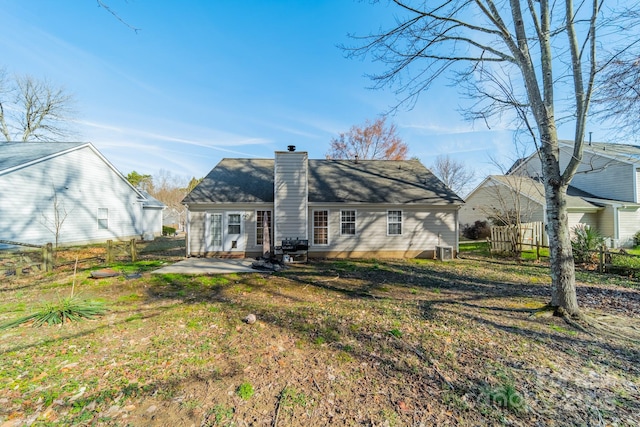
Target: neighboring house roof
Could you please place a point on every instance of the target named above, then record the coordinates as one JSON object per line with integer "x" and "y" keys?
{"x": 622, "y": 152}
{"x": 534, "y": 190}
{"x": 626, "y": 153}
{"x": 150, "y": 201}
{"x": 516, "y": 165}
{"x": 341, "y": 181}
{"x": 15, "y": 154}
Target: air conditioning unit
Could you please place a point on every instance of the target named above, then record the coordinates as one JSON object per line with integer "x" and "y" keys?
{"x": 444, "y": 253}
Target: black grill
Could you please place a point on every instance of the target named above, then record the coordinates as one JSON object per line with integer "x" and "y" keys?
{"x": 295, "y": 245}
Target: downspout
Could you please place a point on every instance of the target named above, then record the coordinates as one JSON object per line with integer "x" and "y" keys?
{"x": 635, "y": 183}
{"x": 616, "y": 232}
{"x": 188, "y": 231}
{"x": 457, "y": 234}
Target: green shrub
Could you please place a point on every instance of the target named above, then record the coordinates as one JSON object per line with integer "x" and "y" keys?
{"x": 168, "y": 231}
{"x": 477, "y": 230}
{"x": 636, "y": 239}
{"x": 585, "y": 240}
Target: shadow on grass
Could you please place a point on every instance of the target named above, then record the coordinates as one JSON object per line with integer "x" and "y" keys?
{"x": 320, "y": 304}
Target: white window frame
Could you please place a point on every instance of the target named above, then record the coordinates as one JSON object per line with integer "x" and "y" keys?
{"x": 104, "y": 217}
{"x": 313, "y": 229}
{"x": 270, "y": 225}
{"x": 395, "y": 222}
{"x": 234, "y": 224}
{"x": 355, "y": 222}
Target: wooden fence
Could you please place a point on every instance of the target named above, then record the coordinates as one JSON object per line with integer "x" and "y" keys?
{"x": 513, "y": 239}
{"x": 619, "y": 262}
{"x": 43, "y": 258}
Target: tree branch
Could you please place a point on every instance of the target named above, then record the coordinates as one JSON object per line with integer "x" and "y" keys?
{"x": 106, "y": 7}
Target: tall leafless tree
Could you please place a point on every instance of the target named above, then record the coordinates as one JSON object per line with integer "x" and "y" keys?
{"x": 456, "y": 175}
{"x": 55, "y": 221}
{"x": 171, "y": 189}
{"x": 34, "y": 110}
{"x": 618, "y": 97}
{"x": 370, "y": 141}
{"x": 531, "y": 61}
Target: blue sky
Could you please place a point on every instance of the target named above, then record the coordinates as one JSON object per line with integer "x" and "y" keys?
{"x": 203, "y": 80}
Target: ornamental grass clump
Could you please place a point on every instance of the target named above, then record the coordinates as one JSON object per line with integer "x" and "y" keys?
{"x": 69, "y": 309}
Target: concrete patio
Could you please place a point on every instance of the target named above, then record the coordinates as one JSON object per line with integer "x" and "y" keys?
{"x": 208, "y": 266}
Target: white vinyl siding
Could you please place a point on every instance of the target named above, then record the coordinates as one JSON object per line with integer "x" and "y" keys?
{"x": 348, "y": 223}
{"x": 394, "y": 223}
{"x": 628, "y": 224}
{"x": 597, "y": 174}
{"x": 604, "y": 177}
{"x": 637, "y": 200}
{"x": 290, "y": 196}
{"x": 606, "y": 222}
{"x": 575, "y": 218}
{"x": 423, "y": 229}
{"x": 82, "y": 182}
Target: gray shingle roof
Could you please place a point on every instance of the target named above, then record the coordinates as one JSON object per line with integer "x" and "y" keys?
{"x": 150, "y": 201}
{"x": 14, "y": 154}
{"x": 330, "y": 181}
{"x": 622, "y": 152}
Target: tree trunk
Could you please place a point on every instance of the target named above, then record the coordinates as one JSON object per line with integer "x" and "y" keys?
{"x": 563, "y": 279}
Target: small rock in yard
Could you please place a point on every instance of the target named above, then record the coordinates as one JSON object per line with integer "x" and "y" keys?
{"x": 250, "y": 319}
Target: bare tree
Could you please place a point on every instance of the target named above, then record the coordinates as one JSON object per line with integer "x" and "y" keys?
{"x": 456, "y": 175}
{"x": 33, "y": 110}
{"x": 370, "y": 141}
{"x": 55, "y": 222}
{"x": 170, "y": 190}
{"x": 514, "y": 56}
{"x": 618, "y": 97}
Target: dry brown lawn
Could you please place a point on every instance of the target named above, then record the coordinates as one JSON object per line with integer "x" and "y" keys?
{"x": 361, "y": 342}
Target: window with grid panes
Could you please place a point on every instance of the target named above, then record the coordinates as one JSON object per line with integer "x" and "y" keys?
{"x": 103, "y": 219}
{"x": 394, "y": 223}
{"x": 263, "y": 218}
{"x": 348, "y": 223}
{"x": 233, "y": 226}
{"x": 321, "y": 227}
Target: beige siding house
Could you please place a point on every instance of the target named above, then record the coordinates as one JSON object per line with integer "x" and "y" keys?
{"x": 366, "y": 208}
{"x": 70, "y": 187}
{"x": 605, "y": 192}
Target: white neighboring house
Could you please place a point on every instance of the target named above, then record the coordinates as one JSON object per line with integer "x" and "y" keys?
{"x": 73, "y": 188}
{"x": 605, "y": 192}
